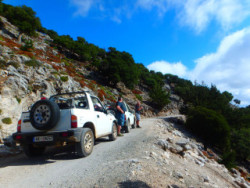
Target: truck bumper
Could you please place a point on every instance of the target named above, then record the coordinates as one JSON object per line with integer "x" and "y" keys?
{"x": 45, "y": 138}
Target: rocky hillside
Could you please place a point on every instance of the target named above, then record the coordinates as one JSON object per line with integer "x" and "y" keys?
{"x": 29, "y": 71}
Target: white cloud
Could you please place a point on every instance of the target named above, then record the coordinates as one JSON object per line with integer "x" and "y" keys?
{"x": 165, "y": 67}
{"x": 229, "y": 67}
{"x": 83, "y": 6}
{"x": 198, "y": 14}
{"x": 102, "y": 9}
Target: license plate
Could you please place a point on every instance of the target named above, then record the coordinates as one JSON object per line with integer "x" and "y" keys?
{"x": 43, "y": 139}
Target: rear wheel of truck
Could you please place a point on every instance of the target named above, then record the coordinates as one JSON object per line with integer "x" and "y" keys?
{"x": 33, "y": 151}
{"x": 44, "y": 115}
{"x": 113, "y": 136}
{"x": 86, "y": 144}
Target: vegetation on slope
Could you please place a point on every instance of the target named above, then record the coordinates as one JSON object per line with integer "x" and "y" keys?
{"x": 214, "y": 119}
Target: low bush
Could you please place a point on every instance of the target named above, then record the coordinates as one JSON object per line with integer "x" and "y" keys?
{"x": 18, "y": 100}
{"x": 241, "y": 143}
{"x": 209, "y": 125}
{"x": 14, "y": 64}
{"x": 32, "y": 63}
{"x": 64, "y": 78}
{"x": 228, "y": 159}
{"x": 3, "y": 64}
{"x": 139, "y": 97}
{"x": 54, "y": 72}
{"x": 7, "y": 120}
{"x": 28, "y": 45}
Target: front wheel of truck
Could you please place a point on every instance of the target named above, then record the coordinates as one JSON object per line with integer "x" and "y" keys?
{"x": 86, "y": 144}
{"x": 113, "y": 135}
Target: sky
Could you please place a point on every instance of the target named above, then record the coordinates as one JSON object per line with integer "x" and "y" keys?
{"x": 207, "y": 41}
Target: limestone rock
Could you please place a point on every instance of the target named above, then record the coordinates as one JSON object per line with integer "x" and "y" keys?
{"x": 163, "y": 143}
{"x": 175, "y": 149}
{"x": 182, "y": 142}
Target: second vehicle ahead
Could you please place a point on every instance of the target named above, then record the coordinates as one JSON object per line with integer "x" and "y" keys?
{"x": 129, "y": 116}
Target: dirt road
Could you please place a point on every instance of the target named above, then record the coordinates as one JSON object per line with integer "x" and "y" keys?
{"x": 62, "y": 169}
{"x": 134, "y": 160}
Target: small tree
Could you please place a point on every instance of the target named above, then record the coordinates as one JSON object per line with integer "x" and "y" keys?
{"x": 159, "y": 96}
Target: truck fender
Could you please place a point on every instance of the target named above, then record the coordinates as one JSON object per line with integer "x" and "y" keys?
{"x": 91, "y": 126}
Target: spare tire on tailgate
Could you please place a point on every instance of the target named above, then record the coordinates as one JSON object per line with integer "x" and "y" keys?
{"x": 44, "y": 114}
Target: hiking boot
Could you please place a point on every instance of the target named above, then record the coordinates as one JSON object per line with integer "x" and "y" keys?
{"x": 120, "y": 134}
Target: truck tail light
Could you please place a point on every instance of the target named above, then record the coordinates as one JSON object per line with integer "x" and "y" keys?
{"x": 19, "y": 126}
{"x": 73, "y": 121}
{"x": 18, "y": 137}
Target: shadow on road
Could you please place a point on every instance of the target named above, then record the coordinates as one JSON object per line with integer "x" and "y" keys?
{"x": 133, "y": 184}
{"x": 51, "y": 155}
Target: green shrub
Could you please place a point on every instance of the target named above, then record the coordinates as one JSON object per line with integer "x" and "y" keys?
{"x": 54, "y": 72}
{"x": 1, "y": 22}
{"x": 14, "y": 64}
{"x": 64, "y": 78}
{"x": 66, "y": 63}
{"x": 63, "y": 72}
{"x": 1, "y": 111}
{"x": 228, "y": 159}
{"x": 159, "y": 97}
{"x": 7, "y": 120}
{"x": 18, "y": 100}
{"x": 3, "y": 64}
{"x": 30, "y": 87}
{"x": 32, "y": 63}
{"x": 27, "y": 46}
{"x": 210, "y": 126}
{"x": 241, "y": 143}
{"x": 139, "y": 97}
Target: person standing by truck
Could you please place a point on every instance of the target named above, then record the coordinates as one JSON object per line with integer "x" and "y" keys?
{"x": 138, "y": 109}
{"x": 120, "y": 108}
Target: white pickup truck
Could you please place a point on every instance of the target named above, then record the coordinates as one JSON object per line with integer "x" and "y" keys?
{"x": 76, "y": 117}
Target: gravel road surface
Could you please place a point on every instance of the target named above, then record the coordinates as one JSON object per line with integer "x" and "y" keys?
{"x": 133, "y": 161}
{"x": 107, "y": 166}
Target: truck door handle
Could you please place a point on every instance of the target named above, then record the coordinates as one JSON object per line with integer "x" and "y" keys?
{"x": 98, "y": 116}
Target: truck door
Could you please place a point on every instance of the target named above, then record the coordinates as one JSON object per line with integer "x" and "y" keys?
{"x": 103, "y": 123}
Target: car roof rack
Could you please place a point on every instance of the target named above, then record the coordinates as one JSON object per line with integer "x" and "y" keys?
{"x": 71, "y": 93}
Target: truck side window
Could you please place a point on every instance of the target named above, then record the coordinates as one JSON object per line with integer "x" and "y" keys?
{"x": 97, "y": 104}
{"x": 81, "y": 103}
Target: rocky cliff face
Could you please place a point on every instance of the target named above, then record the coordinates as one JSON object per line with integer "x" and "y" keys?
{"x": 27, "y": 74}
